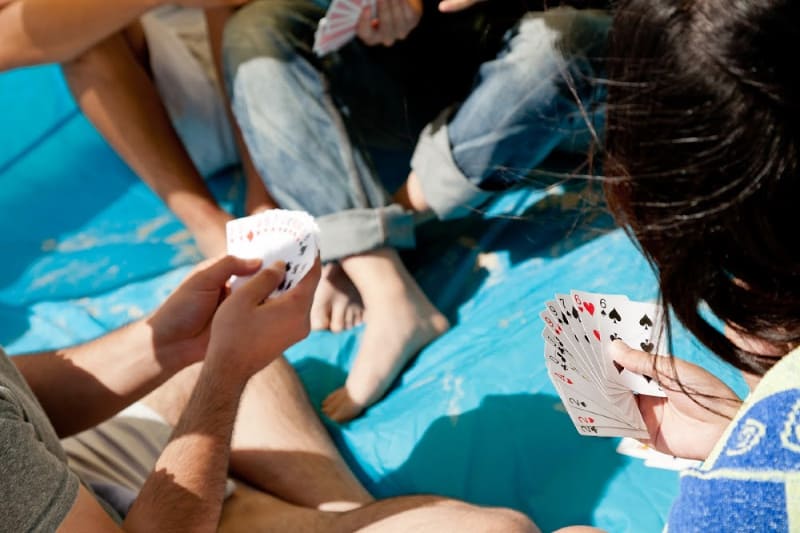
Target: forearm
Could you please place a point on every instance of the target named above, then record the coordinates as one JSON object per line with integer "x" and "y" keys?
{"x": 81, "y": 386}
{"x": 186, "y": 489}
{"x": 47, "y": 31}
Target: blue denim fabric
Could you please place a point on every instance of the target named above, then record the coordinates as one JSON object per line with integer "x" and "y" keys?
{"x": 299, "y": 143}
{"x": 311, "y": 153}
{"x": 539, "y": 95}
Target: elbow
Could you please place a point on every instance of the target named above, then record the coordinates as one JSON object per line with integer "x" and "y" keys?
{"x": 14, "y": 55}
{"x": 9, "y": 57}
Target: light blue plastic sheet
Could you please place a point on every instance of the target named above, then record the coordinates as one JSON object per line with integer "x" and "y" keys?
{"x": 88, "y": 248}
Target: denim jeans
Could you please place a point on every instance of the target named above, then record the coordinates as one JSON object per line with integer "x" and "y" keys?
{"x": 470, "y": 118}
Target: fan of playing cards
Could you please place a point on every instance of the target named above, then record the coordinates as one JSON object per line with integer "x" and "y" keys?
{"x": 597, "y": 393}
{"x": 275, "y": 235}
{"x": 338, "y": 26}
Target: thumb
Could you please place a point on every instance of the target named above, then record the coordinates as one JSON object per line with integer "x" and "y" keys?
{"x": 451, "y": 6}
{"x": 634, "y": 360}
{"x": 213, "y": 273}
{"x": 259, "y": 287}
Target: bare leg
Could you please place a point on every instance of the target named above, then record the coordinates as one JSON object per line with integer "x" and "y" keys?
{"x": 119, "y": 98}
{"x": 257, "y": 196}
{"x": 254, "y": 512}
{"x": 410, "y": 195}
{"x": 279, "y": 445}
{"x": 400, "y": 321}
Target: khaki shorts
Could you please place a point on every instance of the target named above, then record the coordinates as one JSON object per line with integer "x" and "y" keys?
{"x": 115, "y": 458}
{"x": 184, "y": 72}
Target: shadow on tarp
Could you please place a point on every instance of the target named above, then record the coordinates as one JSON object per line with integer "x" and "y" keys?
{"x": 450, "y": 260}
{"x": 518, "y": 450}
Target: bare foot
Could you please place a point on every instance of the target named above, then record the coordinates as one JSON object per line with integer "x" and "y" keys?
{"x": 400, "y": 322}
{"x": 337, "y": 305}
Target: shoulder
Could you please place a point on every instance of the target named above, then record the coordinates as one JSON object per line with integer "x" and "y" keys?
{"x": 754, "y": 472}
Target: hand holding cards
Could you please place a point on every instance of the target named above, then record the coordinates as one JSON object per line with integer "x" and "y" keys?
{"x": 339, "y": 25}
{"x": 275, "y": 235}
{"x": 597, "y": 393}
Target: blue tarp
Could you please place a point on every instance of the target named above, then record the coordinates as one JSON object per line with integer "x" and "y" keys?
{"x": 87, "y": 248}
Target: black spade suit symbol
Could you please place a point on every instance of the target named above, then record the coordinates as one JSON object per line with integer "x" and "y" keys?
{"x": 614, "y": 315}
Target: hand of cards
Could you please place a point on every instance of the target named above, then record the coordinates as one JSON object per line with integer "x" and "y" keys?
{"x": 597, "y": 393}
{"x": 339, "y": 25}
{"x": 275, "y": 235}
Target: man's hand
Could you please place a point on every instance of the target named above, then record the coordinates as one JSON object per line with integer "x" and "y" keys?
{"x": 181, "y": 324}
{"x": 393, "y": 21}
{"x": 684, "y": 425}
{"x": 250, "y": 330}
{"x": 451, "y": 6}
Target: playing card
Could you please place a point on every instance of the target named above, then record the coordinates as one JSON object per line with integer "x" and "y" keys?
{"x": 634, "y": 448}
{"x": 580, "y": 395}
{"x": 638, "y": 324}
{"x": 591, "y": 308}
{"x": 578, "y": 392}
{"x": 275, "y": 235}
{"x": 569, "y": 334}
{"x": 669, "y": 462}
{"x": 652, "y": 457}
{"x": 338, "y": 26}
{"x": 597, "y": 393}
{"x": 596, "y": 424}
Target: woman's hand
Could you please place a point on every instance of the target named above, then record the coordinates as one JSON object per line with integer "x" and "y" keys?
{"x": 697, "y": 409}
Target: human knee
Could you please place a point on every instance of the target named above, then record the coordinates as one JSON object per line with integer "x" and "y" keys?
{"x": 476, "y": 519}
{"x": 94, "y": 63}
{"x": 510, "y": 521}
{"x": 264, "y": 28}
{"x": 548, "y": 45}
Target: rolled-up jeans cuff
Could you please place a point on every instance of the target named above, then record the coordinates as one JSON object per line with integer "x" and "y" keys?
{"x": 447, "y": 191}
{"x": 357, "y": 231}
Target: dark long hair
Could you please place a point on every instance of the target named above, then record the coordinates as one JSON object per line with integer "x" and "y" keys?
{"x": 703, "y": 159}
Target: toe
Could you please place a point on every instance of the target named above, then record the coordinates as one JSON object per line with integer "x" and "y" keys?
{"x": 338, "y": 315}
{"x": 320, "y": 317}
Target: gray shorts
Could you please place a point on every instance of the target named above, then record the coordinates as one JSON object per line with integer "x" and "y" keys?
{"x": 115, "y": 458}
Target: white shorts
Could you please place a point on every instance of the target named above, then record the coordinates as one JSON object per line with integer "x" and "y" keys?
{"x": 115, "y": 458}
{"x": 183, "y": 68}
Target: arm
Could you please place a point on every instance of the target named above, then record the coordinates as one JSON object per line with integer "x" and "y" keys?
{"x": 46, "y": 31}
{"x": 81, "y": 386}
{"x": 186, "y": 489}
{"x": 54, "y": 31}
